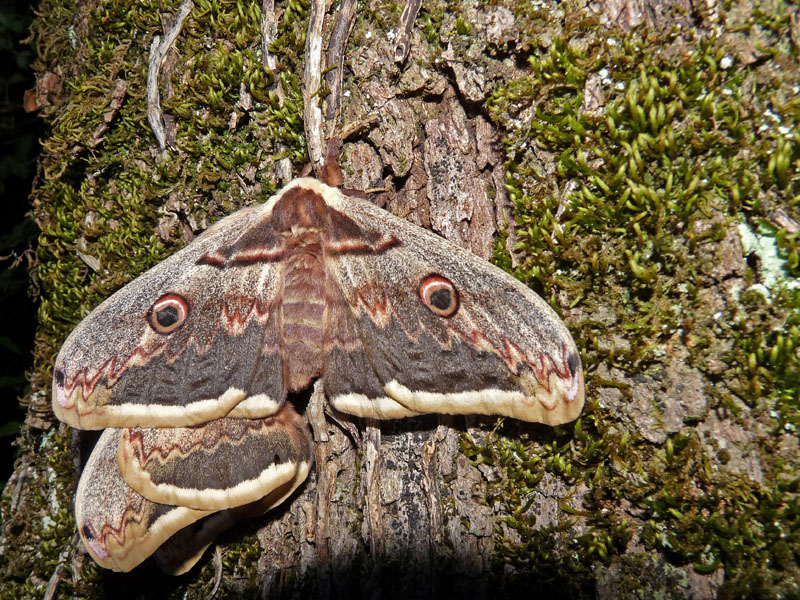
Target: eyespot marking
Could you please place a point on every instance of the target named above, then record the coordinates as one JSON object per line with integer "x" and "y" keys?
{"x": 87, "y": 532}
{"x": 574, "y": 363}
{"x": 168, "y": 313}
{"x": 439, "y": 295}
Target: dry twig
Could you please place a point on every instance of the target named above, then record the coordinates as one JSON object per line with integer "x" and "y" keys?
{"x": 407, "y": 18}
{"x": 312, "y": 78}
{"x": 158, "y": 52}
{"x": 217, "y": 562}
{"x": 269, "y": 30}
{"x": 342, "y": 27}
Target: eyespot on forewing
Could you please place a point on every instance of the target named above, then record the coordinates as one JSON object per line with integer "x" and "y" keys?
{"x": 439, "y": 295}
{"x": 168, "y": 313}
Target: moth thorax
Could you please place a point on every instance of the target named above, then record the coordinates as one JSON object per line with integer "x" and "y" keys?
{"x": 302, "y": 314}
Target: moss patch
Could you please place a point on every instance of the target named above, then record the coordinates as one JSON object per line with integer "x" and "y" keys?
{"x": 657, "y": 149}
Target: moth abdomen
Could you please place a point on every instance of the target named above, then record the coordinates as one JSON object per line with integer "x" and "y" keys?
{"x": 302, "y": 313}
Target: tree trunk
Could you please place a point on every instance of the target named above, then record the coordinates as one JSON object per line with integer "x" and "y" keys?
{"x": 530, "y": 124}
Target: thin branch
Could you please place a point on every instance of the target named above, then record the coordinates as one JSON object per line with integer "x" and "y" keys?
{"x": 269, "y": 30}
{"x": 55, "y": 578}
{"x": 356, "y": 128}
{"x": 158, "y": 53}
{"x": 345, "y": 19}
{"x": 312, "y": 113}
{"x": 217, "y": 562}
{"x": 407, "y": 18}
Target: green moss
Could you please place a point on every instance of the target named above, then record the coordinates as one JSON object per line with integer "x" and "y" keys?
{"x": 651, "y": 183}
{"x": 239, "y": 551}
{"x": 44, "y": 529}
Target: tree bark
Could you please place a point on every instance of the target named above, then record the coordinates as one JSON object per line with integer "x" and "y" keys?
{"x": 434, "y": 506}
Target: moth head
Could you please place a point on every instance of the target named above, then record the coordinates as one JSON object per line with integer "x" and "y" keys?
{"x": 168, "y": 313}
{"x": 439, "y": 295}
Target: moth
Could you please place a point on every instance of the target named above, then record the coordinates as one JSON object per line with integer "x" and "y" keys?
{"x": 188, "y": 367}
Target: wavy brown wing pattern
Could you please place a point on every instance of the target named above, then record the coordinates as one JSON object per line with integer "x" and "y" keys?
{"x": 188, "y": 367}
